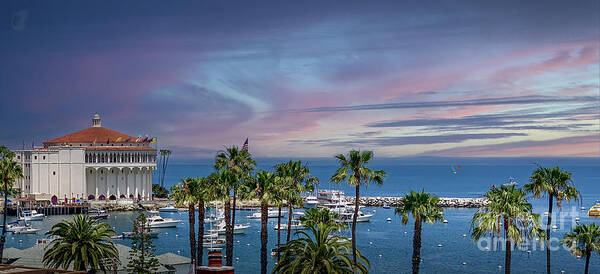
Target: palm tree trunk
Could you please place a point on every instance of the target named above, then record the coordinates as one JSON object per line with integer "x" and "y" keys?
{"x": 508, "y": 248}
{"x": 3, "y": 237}
{"x": 228, "y": 233}
{"x": 192, "y": 220}
{"x": 278, "y": 229}
{"x": 264, "y": 237}
{"x": 289, "y": 227}
{"x": 416, "y": 258}
{"x": 200, "y": 250}
{"x": 587, "y": 261}
{"x": 548, "y": 225}
{"x": 234, "y": 208}
{"x": 356, "y": 204}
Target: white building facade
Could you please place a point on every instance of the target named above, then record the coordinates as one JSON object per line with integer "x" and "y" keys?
{"x": 95, "y": 163}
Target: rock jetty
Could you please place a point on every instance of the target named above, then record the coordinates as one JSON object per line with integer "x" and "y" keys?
{"x": 444, "y": 202}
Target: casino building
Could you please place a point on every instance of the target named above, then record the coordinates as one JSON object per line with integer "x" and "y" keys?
{"x": 95, "y": 163}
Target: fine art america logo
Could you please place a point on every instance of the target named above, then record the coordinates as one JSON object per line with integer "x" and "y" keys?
{"x": 560, "y": 220}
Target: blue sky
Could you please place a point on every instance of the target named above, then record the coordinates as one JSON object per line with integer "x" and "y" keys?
{"x": 309, "y": 79}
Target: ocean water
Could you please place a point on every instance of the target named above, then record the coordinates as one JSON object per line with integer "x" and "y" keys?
{"x": 388, "y": 245}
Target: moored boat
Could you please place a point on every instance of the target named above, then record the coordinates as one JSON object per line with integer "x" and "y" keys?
{"x": 159, "y": 222}
{"x": 310, "y": 202}
{"x": 31, "y": 215}
{"x": 168, "y": 208}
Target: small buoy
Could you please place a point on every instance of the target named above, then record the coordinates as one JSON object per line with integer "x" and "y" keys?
{"x": 238, "y": 241}
{"x": 374, "y": 211}
{"x": 464, "y": 235}
{"x": 528, "y": 251}
{"x": 368, "y": 230}
{"x": 405, "y": 232}
{"x": 380, "y": 255}
{"x": 237, "y": 258}
{"x": 577, "y": 219}
{"x": 439, "y": 245}
{"x": 487, "y": 248}
{"x": 166, "y": 233}
{"x": 499, "y": 267}
{"x": 176, "y": 235}
{"x": 248, "y": 244}
{"x": 20, "y": 241}
{"x": 562, "y": 271}
{"x": 546, "y": 213}
{"x": 178, "y": 251}
{"x": 582, "y": 208}
{"x": 464, "y": 263}
{"x": 370, "y": 243}
{"x": 554, "y": 227}
{"x": 445, "y": 221}
{"x": 389, "y": 219}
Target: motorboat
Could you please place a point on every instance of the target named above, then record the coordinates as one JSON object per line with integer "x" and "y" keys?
{"x": 386, "y": 206}
{"x": 152, "y": 211}
{"x": 159, "y": 222}
{"x": 296, "y": 225}
{"x": 595, "y": 210}
{"x": 129, "y": 234}
{"x": 168, "y": 208}
{"x": 272, "y": 213}
{"x": 98, "y": 216}
{"x": 511, "y": 182}
{"x": 31, "y": 215}
{"x": 347, "y": 217}
{"x": 238, "y": 229}
{"x": 311, "y": 202}
{"x": 25, "y": 230}
{"x": 96, "y": 211}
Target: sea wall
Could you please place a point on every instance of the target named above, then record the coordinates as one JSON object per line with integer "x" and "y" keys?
{"x": 444, "y": 202}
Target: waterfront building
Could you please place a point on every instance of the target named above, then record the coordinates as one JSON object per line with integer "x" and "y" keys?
{"x": 95, "y": 163}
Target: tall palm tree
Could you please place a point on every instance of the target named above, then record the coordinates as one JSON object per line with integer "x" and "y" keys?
{"x": 353, "y": 169}
{"x": 10, "y": 171}
{"x": 556, "y": 184}
{"x": 424, "y": 208}
{"x": 184, "y": 193}
{"x": 262, "y": 188}
{"x": 509, "y": 205}
{"x": 298, "y": 180}
{"x": 223, "y": 180}
{"x": 240, "y": 163}
{"x": 582, "y": 241}
{"x": 320, "y": 253}
{"x": 206, "y": 191}
{"x": 82, "y": 243}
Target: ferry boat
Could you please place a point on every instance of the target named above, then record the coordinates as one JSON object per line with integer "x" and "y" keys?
{"x": 168, "y": 208}
{"x": 595, "y": 210}
{"x": 31, "y": 215}
{"x": 311, "y": 202}
{"x": 159, "y": 222}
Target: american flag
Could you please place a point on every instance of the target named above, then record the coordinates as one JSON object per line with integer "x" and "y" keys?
{"x": 245, "y": 146}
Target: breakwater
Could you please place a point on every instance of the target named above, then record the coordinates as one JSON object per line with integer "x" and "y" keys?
{"x": 443, "y": 202}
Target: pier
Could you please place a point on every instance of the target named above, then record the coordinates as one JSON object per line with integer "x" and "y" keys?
{"x": 67, "y": 209}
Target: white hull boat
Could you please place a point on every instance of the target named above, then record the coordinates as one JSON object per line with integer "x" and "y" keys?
{"x": 271, "y": 214}
{"x": 311, "y": 202}
{"x": 159, "y": 222}
{"x": 31, "y": 215}
{"x": 26, "y": 230}
{"x": 238, "y": 229}
{"x": 168, "y": 208}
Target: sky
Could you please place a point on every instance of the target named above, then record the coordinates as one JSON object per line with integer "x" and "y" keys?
{"x": 308, "y": 78}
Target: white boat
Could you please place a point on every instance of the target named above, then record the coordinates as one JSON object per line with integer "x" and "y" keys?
{"x": 346, "y": 217}
{"x": 311, "y": 202}
{"x": 511, "y": 182}
{"x": 96, "y": 211}
{"x": 168, "y": 208}
{"x": 272, "y": 213}
{"x": 386, "y": 206}
{"x": 31, "y": 215}
{"x": 159, "y": 222}
{"x": 213, "y": 243}
{"x": 296, "y": 225}
{"x": 238, "y": 229}
{"x": 152, "y": 211}
{"x": 330, "y": 197}
{"x": 26, "y": 230}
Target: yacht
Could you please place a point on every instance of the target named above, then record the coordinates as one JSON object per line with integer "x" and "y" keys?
{"x": 311, "y": 202}
{"x": 31, "y": 215}
{"x": 296, "y": 225}
{"x": 238, "y": 229}
{"x": 159, "y": 222}
{"x": 272, "y": 213}
{"x": 330, "y": 197}
{"x": 17, "y": 228}
{"x": 25, "y": 230}
{"x": 346, "y": 217}
{"x": 595, "y": 210}
{"x": 168, "y": 208}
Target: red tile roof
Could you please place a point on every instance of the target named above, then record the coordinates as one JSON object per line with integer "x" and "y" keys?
{"x": 119, "y": 148}
{"x": 90, "y": 135}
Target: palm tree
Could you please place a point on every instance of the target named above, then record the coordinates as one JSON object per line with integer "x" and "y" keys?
{"x": 556, "y": 184}
{"x": 165, "y": 153}
{"x": 223, "y": 180}
{"x": 239, "y": 162}
{"x": 205, "y": 192}
{"x": 298, "y": 181}
{"x": 185, "y": 193}
{"x": 582, "y": 241}
{"x": 314, "y": 216}
{"x": 9, "y": 172}
{"x": 354, "y": 170}
{"x": 82, "y": 243}
{"x": 262, "y": 188}
{"x": 320, "y": 253}
{"x": 424, "y": 208}
{"x": 509, "y": 205}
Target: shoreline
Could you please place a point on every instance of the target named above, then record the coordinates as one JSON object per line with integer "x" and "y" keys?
{"x": 374, "y": 201}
